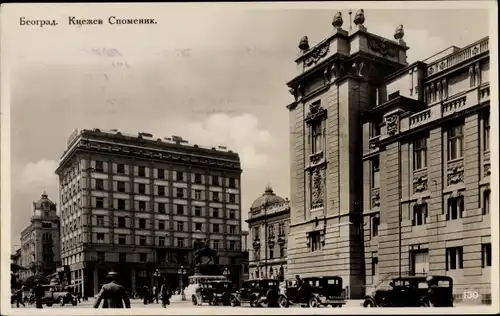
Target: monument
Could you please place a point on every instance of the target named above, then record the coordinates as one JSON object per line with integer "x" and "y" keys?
{"x": 205, "y": 259}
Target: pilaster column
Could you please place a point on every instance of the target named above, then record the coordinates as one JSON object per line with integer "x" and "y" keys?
{"x": 96, "y": 281}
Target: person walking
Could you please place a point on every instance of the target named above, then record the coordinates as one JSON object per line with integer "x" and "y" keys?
{"x": 39, "y": 293}
{"x": 154, "y": 296}
{"x": 112, "y": 294}
{"x": 165, "y": 295}
{"x": 19, "y": 297}
{"x": 145, "y": 294}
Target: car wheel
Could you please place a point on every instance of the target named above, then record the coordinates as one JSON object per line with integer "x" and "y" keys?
{"x": 194, "y": 300}
{"x": 424, "y": 304}
{"x": 282, "y": 301}
{"x": 314, "y": 302}
{"x": 74, "y": 303}
{"x": 234, "y": 302}
{"x": 49, "y": 304}
{"x": 61, "y": 302}
{"x": 369, "y": 303}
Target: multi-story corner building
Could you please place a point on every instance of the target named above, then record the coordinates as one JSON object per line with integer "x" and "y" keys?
{"x": 420, "y": 201}
{"x": 246, "y": 255}
{"x": 268, "y": 222}
{"x": 40, "y": 250}
{"x": 135, "y": 204}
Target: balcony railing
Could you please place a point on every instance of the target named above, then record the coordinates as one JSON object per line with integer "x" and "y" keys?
{"x": 456, "y": 58}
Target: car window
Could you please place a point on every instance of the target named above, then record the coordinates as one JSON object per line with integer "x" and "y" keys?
{"x": 333, "y": 281}
{"x": 443, "y": 283}
{"x": 422, "y": 285}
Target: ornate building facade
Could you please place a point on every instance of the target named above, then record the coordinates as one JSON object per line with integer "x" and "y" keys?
{"x": 420, "y": 203}
{"x": 40, "y": 248}
{"x": 135, "y": 204}
{"x": 268, "y": 222}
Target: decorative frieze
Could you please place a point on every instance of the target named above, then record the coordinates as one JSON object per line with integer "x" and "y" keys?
{"x": 256, "y": 244}
{"x": 392, "y": 124}
{"x": 455, "y": 172}
{"x": 316, "y": 159}
{"x": 316, "y": 111}
{"x": 383, "y": 47}
{"x": 376, "y": 197}
{"x": 281, "y": 240}
{"x": 373, "y": 142}
{"x": 420, "y": 181}
{"x": 316, "y": 54}
{"x": 317, "y": 188}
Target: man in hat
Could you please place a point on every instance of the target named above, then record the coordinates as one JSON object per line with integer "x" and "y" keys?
{"x": 39, "y": 293}
{"x": 113, "y": 294}
{"x": 431, "y": 293}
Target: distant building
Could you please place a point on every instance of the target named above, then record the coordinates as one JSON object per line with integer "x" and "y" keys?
{"x": 15, "y": 268}
{"x": 390, "y": 162}
{"x": 268, "y": 222}
{"x": 135, "y": 204}
{"x": 40, "y": 250}
{"x": 246, "y": 254}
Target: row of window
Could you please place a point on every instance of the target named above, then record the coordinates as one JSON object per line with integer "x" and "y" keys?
{"x": 455, "y": 141}
{"x": 271, "y": 253}
{"x": 454, "y": 259}
{"x": 455, "y": 210}
{"x": 142, "y": 223}
{"x": 270, "y": 230}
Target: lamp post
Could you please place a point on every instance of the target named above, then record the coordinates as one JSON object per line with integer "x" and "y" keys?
{"x": 156, "y": 276}
{"x": 226, "y": 273}
{"x": 182, "y": 272}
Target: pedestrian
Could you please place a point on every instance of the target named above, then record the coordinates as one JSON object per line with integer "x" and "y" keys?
{"x": 432, "y": 289}
{"x": 19, "y": 297}
{"x": 154, "y": 296}
{"x": 145, "y": 294}
{"x": 39, "y": 293}
{"x": 113, "y": 294}
{"x": 165, "y": 295}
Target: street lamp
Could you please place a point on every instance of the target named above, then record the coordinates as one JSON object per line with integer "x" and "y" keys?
{"x": 226, "y": 273}
{"x": 182, "y": 272}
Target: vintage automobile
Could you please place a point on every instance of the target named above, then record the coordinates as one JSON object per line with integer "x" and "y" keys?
{"x": 413, "y": 291}
{"x": 317, "y": 291}
{"x": 54, "y": 294}
{"x": 213, "y": 292}
{"x": 257, "y": 293}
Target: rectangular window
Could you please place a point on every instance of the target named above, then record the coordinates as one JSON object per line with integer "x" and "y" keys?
{"x": 232, "y": 214}
{"x": 161, "y": 173}
{"x": 232, "y": 198}
{"x": 99, "y": 202}
{"x": 101, "y": 256}
{"x": 316, "y": 138}
{"x": 197, "y": 211}
{"x": 100, "y": 237}
{"x": 142, "y": 171}
{"x": 161, "y": 208}
{"x": 375, "y": 225}
{"x": 455, "y": 142}
{"x": 99, "y": 184}
{"x": 419, "y": 215}
{"x": 486, "y": 202}
{"x": 197, "y": 194}
{"x": 161, "y": 225}
{"x": 215, "y": 228}
{"x": 315, "y": 240}
{"x": 161, "y": 241}
{"x": 142, "y": 205}
{"x": 143, "y": 257}
{"x": 374, "y": 263}
{"x": 142, "y": 241}
{"x": 161, "y": 190}
{"x": 120, "y": 168}
{"x": 122, "y": 256}
{"x": 232, "y": 245}
{"x": 142, "y": 223}
{"x": 198, "y": 227}
{"x": 215, "y": 180}
{"x": 270, "y": 231}
{"x": 100, "y": 220}
{"x": 486, "y": 132}
{"x": 420, "y": 154}
{"x": 179, "y": 176}
{"x": 120, "y": 186}
{"x": 282, "y": 251}
{"x": 376, "y": 172}
{"x": 232, "y": 183}
{"x": 180, "y": 226}
{"x": 122, "y": 239}
{"x": 232, "y": 229}
{"x": 121, "y": 222}
{"x": 180, "y": 242}
{"x": 486, "y": 255}
{"x": 215, "y": 212}
{"x": 215, "y": 196}
{"x": 99, "y": 166}
{"x": 180, "y": 209}
{"x": 216, "y": 244}
{"x": 179, "y": 193}
{"x": 256, "y": 233}
{"x": 197, "y": 178}
{"x": 454, "y": 258}
{"x": 142, "y": 188}
{"x": 455, "y": 208}
{"x": 375, "y": 128}
{"x": 121, "y": 204}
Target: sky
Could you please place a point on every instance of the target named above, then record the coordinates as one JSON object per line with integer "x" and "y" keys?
{"x": 213, "y": 75}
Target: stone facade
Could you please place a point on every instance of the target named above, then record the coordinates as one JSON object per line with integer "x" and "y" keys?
{"x": 268, "y": 222}
{"x": 374, "y": 192}
{"x": 40, "y": 247}
{"x": 136, "y": 204}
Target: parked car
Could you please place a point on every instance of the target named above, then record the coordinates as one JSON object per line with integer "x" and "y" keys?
{"x": 213, "y": 292}
{"x": 318, "y": 291}
{"x": 54, "y": 294}
{"x": 412, "y": 291}
{"x": 256, "y": 292}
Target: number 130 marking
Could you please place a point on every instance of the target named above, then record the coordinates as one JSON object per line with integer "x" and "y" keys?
{"x": 470, "y": 295}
